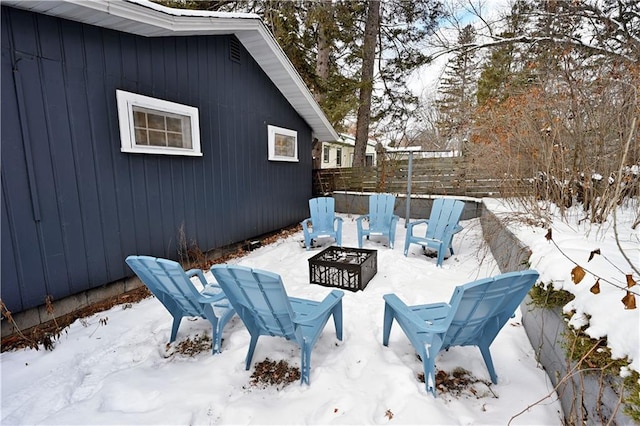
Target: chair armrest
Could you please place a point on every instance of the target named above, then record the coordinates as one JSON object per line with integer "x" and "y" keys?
{"x": 305, "y": 222}
{"x": 327, "y": 304}
{"x": 339, "y": 219}
{"x": 400, "y": 308}
{"x": 212, "y": 298}
{"x": 410, "y": 225}
{"x": 197, "y": 272}
{"x": 457, "y": 229}
{"x": 361, "y": 218}
{"x": 409, "y": 313}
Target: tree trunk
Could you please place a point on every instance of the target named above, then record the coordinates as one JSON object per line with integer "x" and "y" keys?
{"x": 325, "y": 15}
{"x": 366, "y": 84}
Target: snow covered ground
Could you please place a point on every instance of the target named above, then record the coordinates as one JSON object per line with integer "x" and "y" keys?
{"x": 114, "y": 367}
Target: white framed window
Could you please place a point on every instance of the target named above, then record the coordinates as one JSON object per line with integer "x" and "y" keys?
{"x": 326, "y": 154}
{"x": 338, "y": 157}
{"x": 154, "y": 126}
{"x": 283, "y": 144}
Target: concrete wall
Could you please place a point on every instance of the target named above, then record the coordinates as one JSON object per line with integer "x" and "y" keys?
{"x": 357, "y": 203}
{"x": 586, "y": 398}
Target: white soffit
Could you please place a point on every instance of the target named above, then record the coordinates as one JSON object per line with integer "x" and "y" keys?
{"x": 144, "y": 18}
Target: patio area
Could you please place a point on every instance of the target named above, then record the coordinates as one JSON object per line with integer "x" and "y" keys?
{"x": 114, "y": 367}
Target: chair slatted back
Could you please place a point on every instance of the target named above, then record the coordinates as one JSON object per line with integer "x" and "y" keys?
{"x": 381, "y": 211}
{"x": 322, "y": 211}
{"x": 481, "y": 308}
{"x": 445, "y": 215}
{"x": 168, "y": 282}
{"x": 260, "y": 300}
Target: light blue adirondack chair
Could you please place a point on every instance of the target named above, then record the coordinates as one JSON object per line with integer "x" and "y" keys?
{"x": 173, "y": 287}
{"x": 323, "y": 220}
{"x": 474, "y": 316}
{"x": 442, "y": 225}
{"x": 262, "y": 303}
{"x": 381, "y": 219}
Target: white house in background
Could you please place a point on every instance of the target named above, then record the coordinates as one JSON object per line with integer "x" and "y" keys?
{"x": 339, "y": 153}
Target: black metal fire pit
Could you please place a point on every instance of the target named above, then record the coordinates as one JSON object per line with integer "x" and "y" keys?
{"x": 343, "y": 267}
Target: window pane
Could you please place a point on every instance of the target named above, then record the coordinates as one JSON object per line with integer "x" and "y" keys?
{"x": 174, "y": 124}
{"x": 174, "y": 140}
{"x": 157, "y": 138}
{"x": 285, "y": 146}
{"x": 139, "y": 118}
{"x": 156, "y": 121}
{"x": 141, "y": 137}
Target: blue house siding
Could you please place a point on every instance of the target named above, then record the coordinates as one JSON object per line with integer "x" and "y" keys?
{"x": 74, "y": 206}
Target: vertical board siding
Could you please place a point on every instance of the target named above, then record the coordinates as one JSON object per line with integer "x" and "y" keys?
{"x": 74, "y": 206}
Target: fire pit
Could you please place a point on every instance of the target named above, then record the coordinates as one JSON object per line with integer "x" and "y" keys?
{"x": 343, "y": 267}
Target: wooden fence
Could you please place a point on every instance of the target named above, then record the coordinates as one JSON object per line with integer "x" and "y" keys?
{"x": 433, "y": 176}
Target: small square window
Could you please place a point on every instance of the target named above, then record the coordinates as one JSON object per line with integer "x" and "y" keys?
{"x": 283, "y": 144}
{"x": 155, "y": 126}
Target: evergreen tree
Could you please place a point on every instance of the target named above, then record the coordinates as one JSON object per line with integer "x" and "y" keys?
{"x": 506, "y": 69}
{"x": 457, "y": 93}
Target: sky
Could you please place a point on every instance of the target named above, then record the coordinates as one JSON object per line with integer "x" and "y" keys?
{"x": 115, "y": 367}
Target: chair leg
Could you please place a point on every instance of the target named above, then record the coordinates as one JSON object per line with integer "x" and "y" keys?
{"x": 174, "y": 328}
{"x": 486, "y": 355}
{"x": 441, "y": 250}
{"x": 224, "y": 319}
{"x": 428, "y": 363}
{"x": 388, "y": 322}
{"x": 252, "y": 348}
{"x": 305, "y": 365}
{"x": 337, "y": 319}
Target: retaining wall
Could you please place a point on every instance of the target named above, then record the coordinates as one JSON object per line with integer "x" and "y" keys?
{"x": 586, "y": 398}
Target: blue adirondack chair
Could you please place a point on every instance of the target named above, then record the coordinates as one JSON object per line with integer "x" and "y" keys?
{"x": 323, "y": 221}
{"x": 381, "y": 219}
{"x": 474, "y": 316}
{"x": 173, "y": 287}
{"x": 442, "y": 225}
{"x": 262, "y": 303}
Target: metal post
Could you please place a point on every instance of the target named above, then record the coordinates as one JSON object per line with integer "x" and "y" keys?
{"x": 409, "y": 173}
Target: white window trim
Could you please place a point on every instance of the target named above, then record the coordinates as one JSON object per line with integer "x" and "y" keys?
{"x": 272, "y": 131}
{"x": 127, "y": 100}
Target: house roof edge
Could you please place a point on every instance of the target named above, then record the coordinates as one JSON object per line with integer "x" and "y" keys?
{"x": 148, "y": 19}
